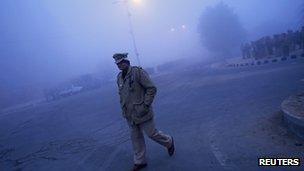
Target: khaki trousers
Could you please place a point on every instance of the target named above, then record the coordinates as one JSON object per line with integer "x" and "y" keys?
{"x": 138, "y": 141}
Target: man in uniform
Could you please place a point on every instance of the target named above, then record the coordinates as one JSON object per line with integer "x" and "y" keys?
{"x": 137, "y": 92}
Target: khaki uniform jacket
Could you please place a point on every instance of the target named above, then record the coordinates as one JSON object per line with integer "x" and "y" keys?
{"x": 136, "y": 93}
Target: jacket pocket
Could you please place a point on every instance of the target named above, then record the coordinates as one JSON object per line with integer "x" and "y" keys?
{"x": 141, "y": 109}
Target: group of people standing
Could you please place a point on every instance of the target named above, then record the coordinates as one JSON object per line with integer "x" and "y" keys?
{"x": 278, "y": 45}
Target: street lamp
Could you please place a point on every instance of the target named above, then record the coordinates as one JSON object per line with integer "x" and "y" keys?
{"x": 137, "y": 1}
{"x": 126, "y": 4}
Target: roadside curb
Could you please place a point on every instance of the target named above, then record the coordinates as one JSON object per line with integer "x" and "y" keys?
{"x": 259, "y": 62}
{"x": 293, "y": 112}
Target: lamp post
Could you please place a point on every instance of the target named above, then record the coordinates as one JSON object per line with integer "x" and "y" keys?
{"x": 126, "y": 4}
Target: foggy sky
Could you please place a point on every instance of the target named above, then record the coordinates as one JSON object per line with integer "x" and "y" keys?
{"x": 50, "y": 40}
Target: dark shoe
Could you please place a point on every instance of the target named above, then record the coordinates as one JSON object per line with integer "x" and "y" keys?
{"x": 171, "y": 149}
{"x": 138, "y": 167}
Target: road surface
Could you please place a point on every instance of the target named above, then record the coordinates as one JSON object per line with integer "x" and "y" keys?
{"x": 221, "y": 119}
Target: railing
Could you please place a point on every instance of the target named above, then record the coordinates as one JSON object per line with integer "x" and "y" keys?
{"x": 266, "y": 61}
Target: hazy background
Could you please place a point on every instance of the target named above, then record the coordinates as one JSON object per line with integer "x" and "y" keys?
{"x": 43, "y": 42}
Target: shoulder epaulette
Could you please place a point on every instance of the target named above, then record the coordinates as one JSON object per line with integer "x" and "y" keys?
{"x": 137, "y": 67}
{"x": 137, "y": 70}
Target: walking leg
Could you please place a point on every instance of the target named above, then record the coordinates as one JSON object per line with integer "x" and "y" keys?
{"x": 156, "y": 135}
{"x": 138, "y": 143}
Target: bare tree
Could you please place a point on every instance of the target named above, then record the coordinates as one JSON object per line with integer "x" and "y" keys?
{"x": 221, "y": 31}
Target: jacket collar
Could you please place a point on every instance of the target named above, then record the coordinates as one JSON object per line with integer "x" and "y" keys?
{"x": 129, "y": 70}
{"x": 128, "y": 73}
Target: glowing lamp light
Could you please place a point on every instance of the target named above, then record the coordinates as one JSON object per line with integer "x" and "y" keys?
{"x": 136, "y": 1}
{"x": 183, "y": 26}
{"x": 172, "y": 29}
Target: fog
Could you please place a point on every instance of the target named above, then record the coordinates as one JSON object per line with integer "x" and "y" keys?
{"x": 48, "y": 41}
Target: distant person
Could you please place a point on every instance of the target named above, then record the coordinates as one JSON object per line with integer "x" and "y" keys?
{"x": 137, "y": 92}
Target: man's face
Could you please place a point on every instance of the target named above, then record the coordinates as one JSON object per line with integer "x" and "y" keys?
{"x": 122, "y": 65}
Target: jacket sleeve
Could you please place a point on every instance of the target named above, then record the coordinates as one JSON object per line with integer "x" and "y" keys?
{"x": 117, "y": 81}
{"x": 148, "y": 85}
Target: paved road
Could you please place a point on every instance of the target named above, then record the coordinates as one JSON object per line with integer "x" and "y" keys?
{"x": 220, "y": 119}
